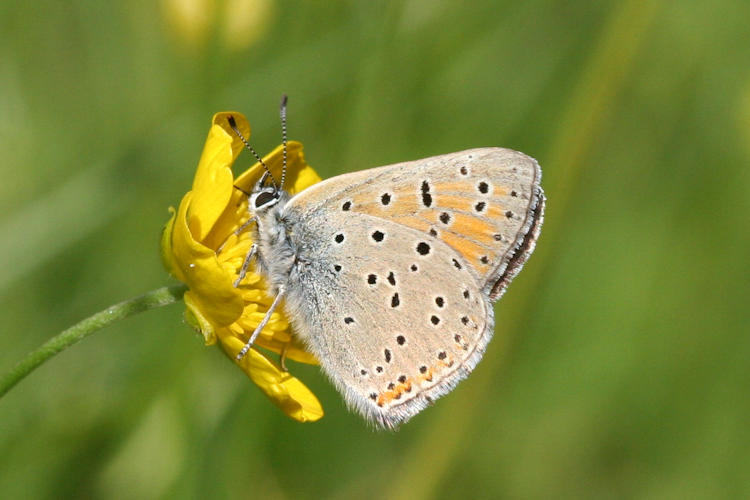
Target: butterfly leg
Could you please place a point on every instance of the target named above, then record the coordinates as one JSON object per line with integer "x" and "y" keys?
{"x": 262, "y": 324}
{"x": 245, "y": 265}
{"x": 282, "y": 357}
{"x": 244, "y": 226}
{"x": 237, "y": 232}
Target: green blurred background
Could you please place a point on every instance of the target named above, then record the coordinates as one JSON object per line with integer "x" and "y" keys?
{"x": 619, "y": 367}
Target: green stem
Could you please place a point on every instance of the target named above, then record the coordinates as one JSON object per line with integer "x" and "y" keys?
{"x": 150, "y": 300}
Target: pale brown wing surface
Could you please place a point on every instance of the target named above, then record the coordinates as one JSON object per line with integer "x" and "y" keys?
{"x": 397, "y": 267}
{"x": 485, "y": 203}
{"x": 396, "y": 317}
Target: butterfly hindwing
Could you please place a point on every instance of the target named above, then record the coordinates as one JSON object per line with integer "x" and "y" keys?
{"x": 396, "y": 317}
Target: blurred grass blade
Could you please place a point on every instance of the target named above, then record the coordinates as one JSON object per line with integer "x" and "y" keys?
{"x": 53, "y": 222}
{"x": 150, "y": 300}
{"x": 609, "y": 66}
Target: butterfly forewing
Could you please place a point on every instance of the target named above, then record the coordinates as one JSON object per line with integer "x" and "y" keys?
{"x": 481, "y": 202}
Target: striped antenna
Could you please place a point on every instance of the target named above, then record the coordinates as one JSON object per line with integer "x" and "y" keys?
{"x": 233, "y": 124}
{"x": 282, "y": 113}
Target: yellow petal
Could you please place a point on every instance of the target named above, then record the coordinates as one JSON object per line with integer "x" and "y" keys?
{"x": 276, "y": 336}
{"x": 196, "y": 319}
{"x": 167, "y": 254}
{"x": 212, "y": 186}
{"x": 284, "y": 390}
{"x": 299, "y": 175}
{"x": 292, "y": 349}
{"x": 213, "y": 294}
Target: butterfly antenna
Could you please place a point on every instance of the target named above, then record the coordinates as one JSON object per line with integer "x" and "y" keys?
{"x": 233, "y": 124}
{"x": 282, "y": 114}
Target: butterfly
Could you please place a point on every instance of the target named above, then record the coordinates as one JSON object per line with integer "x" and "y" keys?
{"x": 389, "y": 274}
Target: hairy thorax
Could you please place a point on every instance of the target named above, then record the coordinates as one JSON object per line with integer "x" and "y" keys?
{"x": 276, "y": 254}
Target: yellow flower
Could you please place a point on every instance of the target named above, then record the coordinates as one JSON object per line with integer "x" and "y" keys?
{"x": 200, "y": 247}
{"x": 238, "y": 23}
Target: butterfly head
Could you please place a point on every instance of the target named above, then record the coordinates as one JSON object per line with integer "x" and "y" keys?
{"x": 263, "y": 198}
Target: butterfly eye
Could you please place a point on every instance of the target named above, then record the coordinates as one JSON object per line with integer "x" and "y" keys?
{"x": 264, "y": 198}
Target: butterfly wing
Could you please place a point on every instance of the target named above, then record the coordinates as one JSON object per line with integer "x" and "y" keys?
{"x": 398, "y": 268}
{"x": 486, "y": 203}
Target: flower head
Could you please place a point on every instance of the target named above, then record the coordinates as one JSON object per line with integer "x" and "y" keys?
{"x": 204, "y": 246}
